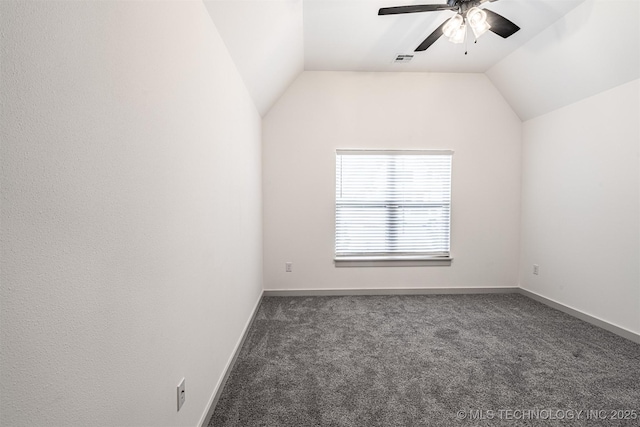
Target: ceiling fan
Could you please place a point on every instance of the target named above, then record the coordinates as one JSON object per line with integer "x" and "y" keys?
{"x": 455, "y": 28}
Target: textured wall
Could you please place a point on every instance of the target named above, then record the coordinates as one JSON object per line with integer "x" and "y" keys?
{"x": 131, "y": 206}
{"x": 323, "y": 111}
{"x": 581, "y": 206}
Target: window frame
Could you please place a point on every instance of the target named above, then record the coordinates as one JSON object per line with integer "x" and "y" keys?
{"x": 389, "y": 259}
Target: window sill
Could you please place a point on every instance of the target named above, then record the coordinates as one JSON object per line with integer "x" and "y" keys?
{"x": 391, "y": 261}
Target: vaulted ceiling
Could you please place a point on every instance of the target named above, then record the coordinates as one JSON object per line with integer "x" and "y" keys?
{"x": 565, "y": 51}
{"x": 348, "y": 35}
{"x": 265, "y": 40}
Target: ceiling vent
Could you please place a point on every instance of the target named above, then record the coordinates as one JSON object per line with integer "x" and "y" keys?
{"x": 403, "y": 58}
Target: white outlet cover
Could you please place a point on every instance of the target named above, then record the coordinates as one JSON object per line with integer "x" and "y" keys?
{"x": 181, "y": 394}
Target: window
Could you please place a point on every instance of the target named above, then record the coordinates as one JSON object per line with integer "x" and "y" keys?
{"x": 392, "y": 205}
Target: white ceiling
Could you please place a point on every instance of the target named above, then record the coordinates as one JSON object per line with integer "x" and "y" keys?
{"x": 595, "y": 47}
{"x": 566, "y": 50}
{"x": 264, "y": 38}
{"x": 348, "y": 35}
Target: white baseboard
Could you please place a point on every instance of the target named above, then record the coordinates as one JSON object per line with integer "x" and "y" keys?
{"x": 217, "y": 391}
{"x": 618, "y": 330}
{"x": 386, "y": 291}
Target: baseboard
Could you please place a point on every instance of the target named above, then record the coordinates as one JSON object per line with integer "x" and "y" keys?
{"x": 217, "y": 392}
{"x": 385, "y": 291}
{"x": 624, "y": 333}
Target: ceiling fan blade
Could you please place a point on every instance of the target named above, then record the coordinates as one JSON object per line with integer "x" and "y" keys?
{"x": 415, "y": 8}
{"x": 500, "y": 25}
{"x": 431, "y": 39}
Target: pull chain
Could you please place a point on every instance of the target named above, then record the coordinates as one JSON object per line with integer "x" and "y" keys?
{"x": 465, "y": 44}
{"x": 465, "y": 38}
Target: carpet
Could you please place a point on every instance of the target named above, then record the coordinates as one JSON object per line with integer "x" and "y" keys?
{"x": 428, "y": 360}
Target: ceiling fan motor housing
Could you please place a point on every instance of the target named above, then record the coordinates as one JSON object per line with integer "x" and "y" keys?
{"x": 463, "y": 5}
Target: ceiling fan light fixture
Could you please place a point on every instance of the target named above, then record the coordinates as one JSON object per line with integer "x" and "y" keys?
{"x": 452, "y": 25}
{"x": 480, "y": 29}
{"x": 459, "y": 35}
{"x": 477, "y": 19}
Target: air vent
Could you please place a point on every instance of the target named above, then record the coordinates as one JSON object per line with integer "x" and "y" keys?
{"x": 403, "y": 58}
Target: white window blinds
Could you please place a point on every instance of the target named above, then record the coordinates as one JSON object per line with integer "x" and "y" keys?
{"x": 393, "y": 203}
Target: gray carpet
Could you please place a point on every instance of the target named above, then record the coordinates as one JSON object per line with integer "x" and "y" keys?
{"x": 420, "y": 360}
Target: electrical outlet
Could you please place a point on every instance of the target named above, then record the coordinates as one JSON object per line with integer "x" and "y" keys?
{"x": 181, "y": 394}
{"x": 536, "y": 269}
{"x": 288, "y": 267}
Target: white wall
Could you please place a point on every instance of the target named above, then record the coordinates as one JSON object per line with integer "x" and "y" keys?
{"x": 323, "y": 111}
{"x": 131, "y": 212}
{"x": 580, "y": 206}
{"x": 593, "y": 48}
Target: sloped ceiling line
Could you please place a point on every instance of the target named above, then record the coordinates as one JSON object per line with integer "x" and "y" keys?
{"x": 265, "y": 40}
{"x": 593, "y": 48}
